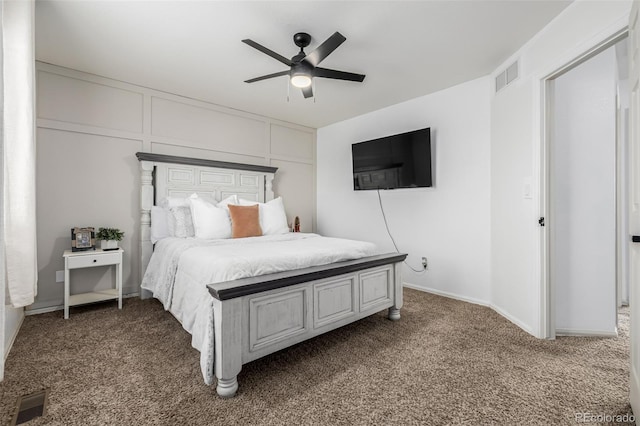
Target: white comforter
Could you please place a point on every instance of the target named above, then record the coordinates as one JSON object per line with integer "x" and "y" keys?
{"x": 180, "y": 269}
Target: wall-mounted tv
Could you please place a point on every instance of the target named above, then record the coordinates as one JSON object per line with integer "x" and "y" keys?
{"x": 398, "y": 161}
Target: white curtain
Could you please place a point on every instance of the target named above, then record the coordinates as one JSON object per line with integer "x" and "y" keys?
{"x": 19, "y": 151}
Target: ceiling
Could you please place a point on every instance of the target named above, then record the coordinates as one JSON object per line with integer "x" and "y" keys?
{"x": 192, "y": 48}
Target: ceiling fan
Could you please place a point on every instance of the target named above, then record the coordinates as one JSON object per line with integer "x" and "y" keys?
{"x": 303, "y": 67}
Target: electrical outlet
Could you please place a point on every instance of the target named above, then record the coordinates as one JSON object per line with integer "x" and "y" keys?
{"x": 59, "y": 276}
{"x": 424, "y": 263}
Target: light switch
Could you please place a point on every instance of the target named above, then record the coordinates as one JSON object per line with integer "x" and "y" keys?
{"x": 59, "y": 276}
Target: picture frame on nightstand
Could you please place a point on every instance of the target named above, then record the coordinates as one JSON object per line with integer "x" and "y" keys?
{"x": 83, "y": 239}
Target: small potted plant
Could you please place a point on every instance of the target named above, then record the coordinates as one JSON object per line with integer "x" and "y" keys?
{"x": 109, "y": 238}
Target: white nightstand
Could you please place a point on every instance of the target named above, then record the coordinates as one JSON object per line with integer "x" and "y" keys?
{"x": 89, "y": 259}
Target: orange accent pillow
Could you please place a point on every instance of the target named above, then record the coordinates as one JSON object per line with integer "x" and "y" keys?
{"x": 245, "y": 221}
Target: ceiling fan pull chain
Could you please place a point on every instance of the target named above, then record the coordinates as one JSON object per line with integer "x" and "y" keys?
{"x": 288, "y": 89}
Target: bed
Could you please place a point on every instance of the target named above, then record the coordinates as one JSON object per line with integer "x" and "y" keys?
{"x": 244, "y": 298}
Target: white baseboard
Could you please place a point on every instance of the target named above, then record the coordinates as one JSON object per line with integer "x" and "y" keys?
{"x": 446, "y": 294}
{"x": 13, "y": 338}
{"x": 474, "y": 301}
{"x": 54, "y": 308}
{"x": 29, "y": 312}
{"x": 588, "y": 333}
{"x": 516, "y": 321}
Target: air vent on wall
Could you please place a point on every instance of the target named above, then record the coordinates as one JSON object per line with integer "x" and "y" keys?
{"x": 507, "y": 76}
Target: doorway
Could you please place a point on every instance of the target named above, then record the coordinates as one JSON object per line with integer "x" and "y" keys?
{"x": 586, "y": 189}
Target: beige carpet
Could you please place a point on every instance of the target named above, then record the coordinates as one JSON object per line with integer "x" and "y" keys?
{"x": 444, "y": 362}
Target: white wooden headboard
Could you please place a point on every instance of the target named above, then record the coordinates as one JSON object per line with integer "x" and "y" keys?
{"x": 166, "y": 175}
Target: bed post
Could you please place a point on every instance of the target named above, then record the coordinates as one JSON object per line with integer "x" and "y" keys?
{"x": 227, "y": 324}
{"x": 146, "y": 201}
{"x": 394, "y": 311}
{"x": 268, "y": 187}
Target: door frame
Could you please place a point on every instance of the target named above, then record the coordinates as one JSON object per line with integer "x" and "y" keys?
{"x": 547, "y": 328}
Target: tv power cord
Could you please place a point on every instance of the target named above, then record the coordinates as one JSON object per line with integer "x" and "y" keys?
{"x": 384, "y": 217}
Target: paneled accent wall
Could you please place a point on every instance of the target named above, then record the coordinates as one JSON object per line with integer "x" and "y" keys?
{"x": 89, "y": 129}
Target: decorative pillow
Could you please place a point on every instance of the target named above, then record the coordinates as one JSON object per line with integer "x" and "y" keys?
{"x": 245, "y": 221}
{"x": 209, "y": 221}
{"x": 273, "y": 219}
{"x": 169, "y": 202}
{"x": 159, "y": 224}
{"x": 180, "y": 222}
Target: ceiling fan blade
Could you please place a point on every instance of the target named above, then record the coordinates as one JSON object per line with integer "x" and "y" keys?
{"x": 264, "y": 77}
{"x": 269, "y": 52}
{"x": 307, "y": 92}
{"x": 322, "y": 51}
{"x": 338, "y": 75}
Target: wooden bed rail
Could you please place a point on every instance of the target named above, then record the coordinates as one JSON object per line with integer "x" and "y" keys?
{"x": 252, "y": 285}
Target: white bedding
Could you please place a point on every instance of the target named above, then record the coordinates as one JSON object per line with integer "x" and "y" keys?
{"x": 180, "y": 269}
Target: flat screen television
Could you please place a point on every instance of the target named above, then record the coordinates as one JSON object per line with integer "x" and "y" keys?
{"x": 398, "y": 161}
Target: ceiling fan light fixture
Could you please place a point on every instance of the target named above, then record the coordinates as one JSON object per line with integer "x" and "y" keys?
{"x": 301, "y": 80}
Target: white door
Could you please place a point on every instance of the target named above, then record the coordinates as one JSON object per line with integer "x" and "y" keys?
{"x": 634, "y": 203}
{"x": 583, "y": 198}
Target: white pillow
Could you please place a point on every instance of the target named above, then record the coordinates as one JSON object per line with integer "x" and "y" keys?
{"x": 209, "y": 221}
{"x": 273, "y": 219}
{"x": 224, "y": 204}
{"x": 159, "y": 224}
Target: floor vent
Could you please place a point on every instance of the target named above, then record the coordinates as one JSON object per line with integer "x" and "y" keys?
{"x": 30, "y": 406}
{"x": 507, "y": 76}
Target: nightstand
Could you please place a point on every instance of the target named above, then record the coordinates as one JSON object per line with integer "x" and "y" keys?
{"x": 90, "y": 259}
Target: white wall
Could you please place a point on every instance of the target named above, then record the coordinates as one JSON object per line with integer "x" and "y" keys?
{"x": 583, "y": 197}
{"x": 89, "y": 129}
{"x": 448, "y": 223}
{"x": 493, "y": 255}
{"x": 516, "y": 153}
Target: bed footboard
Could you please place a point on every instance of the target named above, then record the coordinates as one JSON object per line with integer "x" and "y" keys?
{"x": 256, "y": 316}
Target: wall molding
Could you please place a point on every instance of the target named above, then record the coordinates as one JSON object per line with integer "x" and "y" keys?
{"x": 146, "y": 135}
{"x": 178, "y": 144}
{"x": 78, "y": 109}
{"x": 154, "y": 93}
{"x": 165, "y": 140}
{"x": 45, "y": 123}
{"x": 290, "y": 159}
